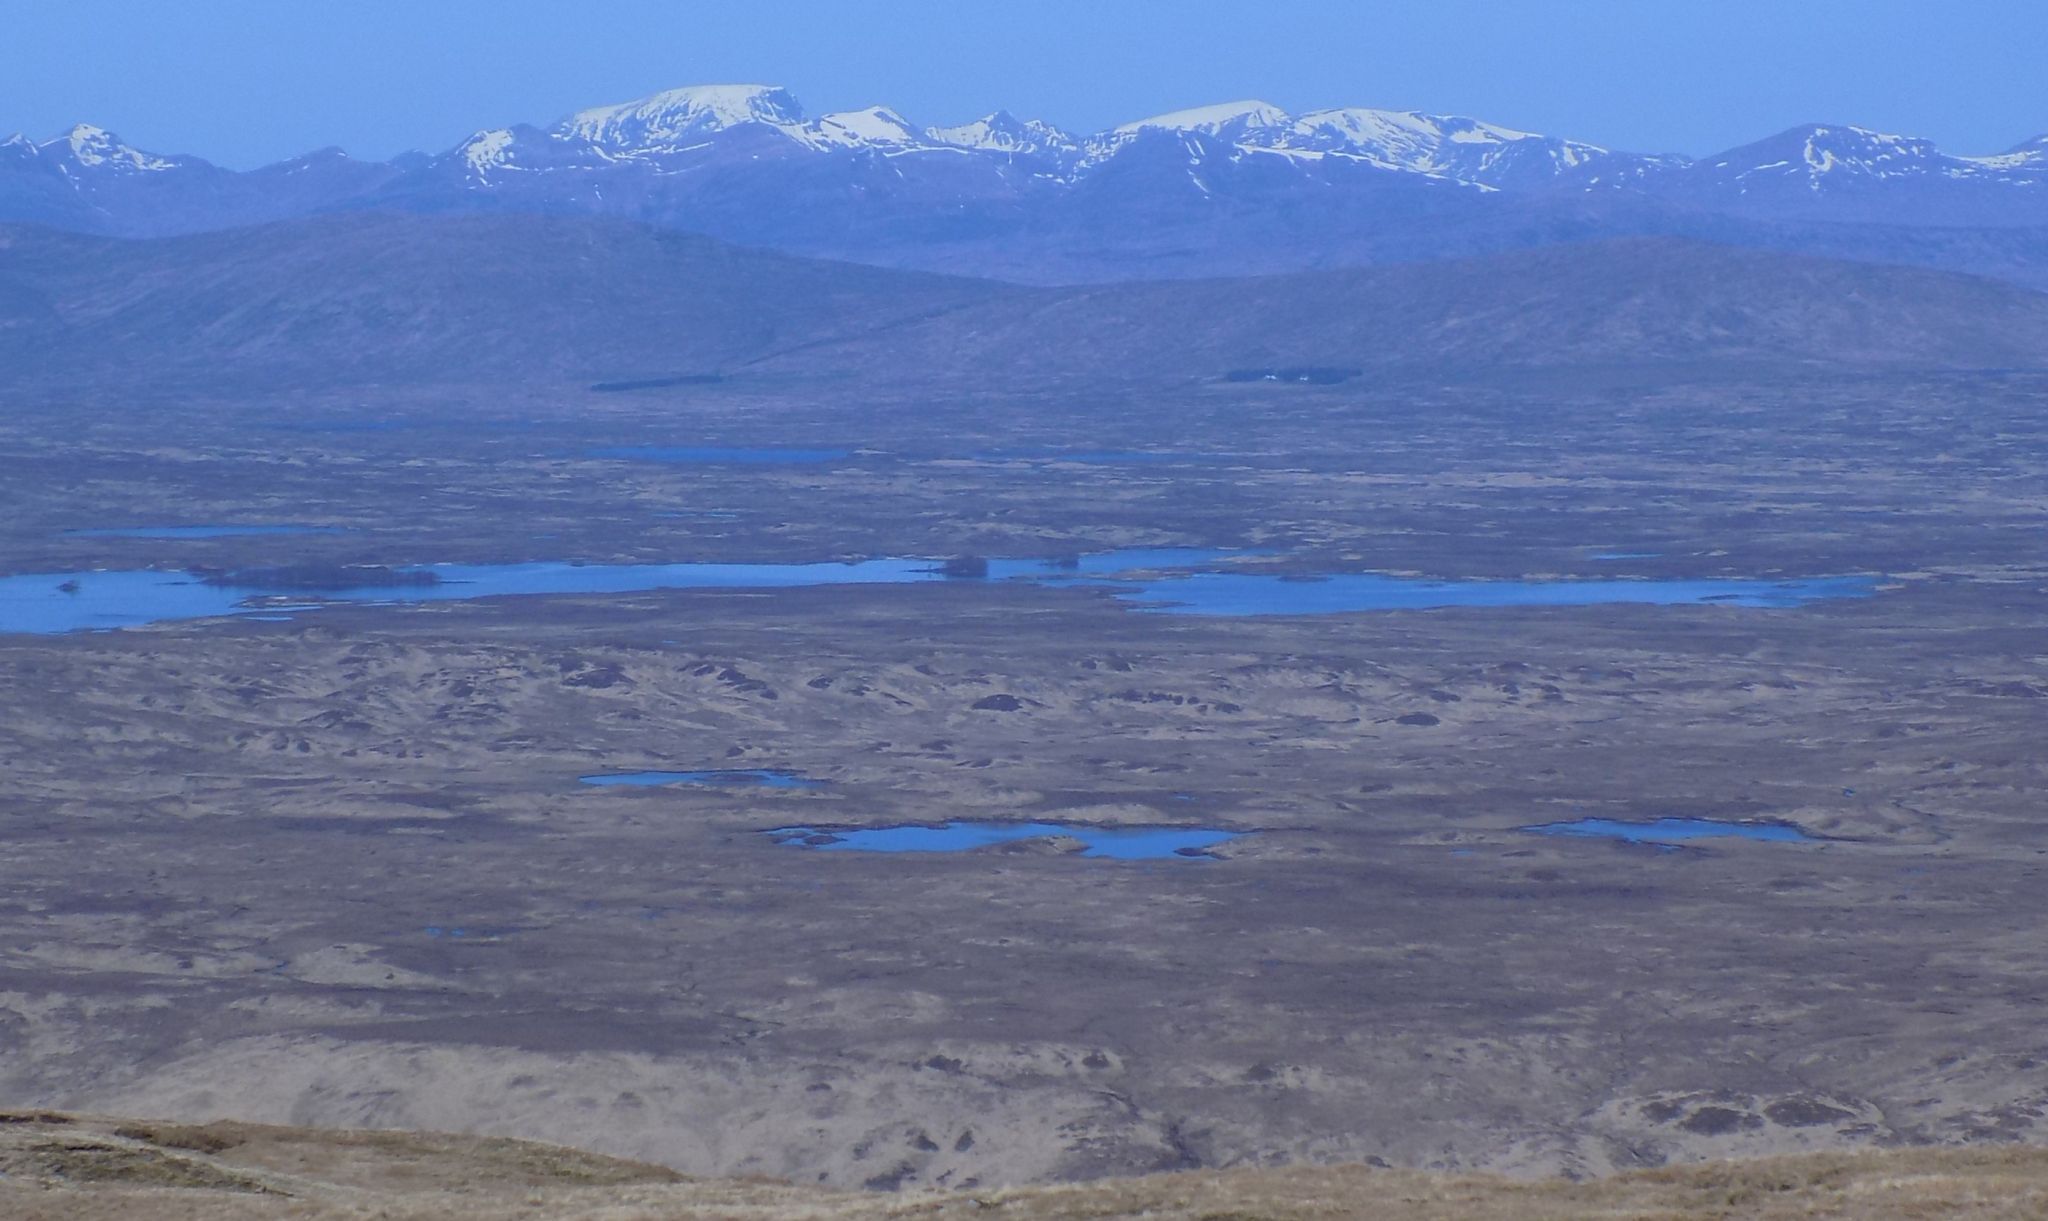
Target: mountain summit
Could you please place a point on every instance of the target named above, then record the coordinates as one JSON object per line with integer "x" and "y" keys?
{"x": 667, "y": 120}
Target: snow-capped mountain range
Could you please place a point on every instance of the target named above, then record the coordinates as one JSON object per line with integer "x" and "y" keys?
{"x": 674, "y": 131}
{"x": 746, "y": 162}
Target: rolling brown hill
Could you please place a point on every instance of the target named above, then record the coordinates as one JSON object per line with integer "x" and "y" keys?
{"x": 80, "y": 1168}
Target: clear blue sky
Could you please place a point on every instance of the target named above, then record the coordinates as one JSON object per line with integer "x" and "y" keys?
{"x": 248, "y": 81}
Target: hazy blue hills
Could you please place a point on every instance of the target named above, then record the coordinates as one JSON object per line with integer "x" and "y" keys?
{"x": 1223, "y": 190}
{"x": 560, "y": 300}
{"x": 374, "y": 297}
{"x": 1621, "y": 303}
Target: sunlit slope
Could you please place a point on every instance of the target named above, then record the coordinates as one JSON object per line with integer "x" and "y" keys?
{"x": 55, "y": 1166}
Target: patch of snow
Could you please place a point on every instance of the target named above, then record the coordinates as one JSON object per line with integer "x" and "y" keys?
{"x": 2026, "y": 155}
{"x": 1212, "y": 120}
{"x": 668, "y": 117}
{"x": 1830, "y": 156}
{"x": 1003, "y": 132}
{"x": 1462, "y": 149}
{"x": 1473, "y": 131}
{"x": 1306, "y": 155}
{"x": 875, "y": 126}
{"x": 486, "y": 151}
{"x": 92, "y": 147}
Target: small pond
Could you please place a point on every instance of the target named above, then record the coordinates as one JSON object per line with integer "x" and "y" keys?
{"x": 746, "y": 777}
{"x": 1675, "y": 830}
{"x": 1117, "y": 843}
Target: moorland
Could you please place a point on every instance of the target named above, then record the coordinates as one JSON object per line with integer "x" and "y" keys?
{"x": 331, "y": 864}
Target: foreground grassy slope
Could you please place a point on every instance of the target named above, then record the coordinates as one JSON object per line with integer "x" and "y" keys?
{"x": 77, "y": 1167}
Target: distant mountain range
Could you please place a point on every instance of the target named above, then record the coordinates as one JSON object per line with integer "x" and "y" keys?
{"x": 356, "y": 300}
{"x": 1238, "y": 188}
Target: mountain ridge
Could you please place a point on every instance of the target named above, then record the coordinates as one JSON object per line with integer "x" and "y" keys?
{"x": 663, "y": 121}
{"x": 1236, "y": 188}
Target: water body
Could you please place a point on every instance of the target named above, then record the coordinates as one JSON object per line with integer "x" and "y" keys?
{"x": 464, "y": 933}
{"x": 711, "y": 454}
{"x": 173, "y": 532}
{"x": 1164, "y": 580}
{"x": 756, "y": 777}
{"x": 1675, "y": 830}
{"x": 1239, "y": 593}
{"x": 85, "y": 601}
{"x": 1116, "y": 843}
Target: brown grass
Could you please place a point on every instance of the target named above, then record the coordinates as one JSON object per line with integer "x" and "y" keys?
{"x": 89, "y": 1169}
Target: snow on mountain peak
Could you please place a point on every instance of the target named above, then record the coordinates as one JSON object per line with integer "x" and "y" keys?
{"x": 1821, "y": 160}
{"x": 877, "y": 125}
{"x": 2026, "y": 155}
{"x": 1826, "y": 147}
{"x": 1820, "y": 154}
{"x": 677, "y": 114}
{"x": 1213, "y": 120}
{"x": 92, "y": 147}
{"x": 485, "y": 151}
{"x": 1003, "y": 132}
{"x": 1446, "y": 146}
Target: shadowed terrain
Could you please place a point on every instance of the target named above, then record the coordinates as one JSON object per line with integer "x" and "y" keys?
{"x": 376, "y": 298}
{"x": 390, "y": 299}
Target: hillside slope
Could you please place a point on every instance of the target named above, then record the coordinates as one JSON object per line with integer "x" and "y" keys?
{"x": 86, "y": 1169}
{"x": 1632, "y": 302}
{"x": 477, "y": 298}
{"x": 519, "y": 299}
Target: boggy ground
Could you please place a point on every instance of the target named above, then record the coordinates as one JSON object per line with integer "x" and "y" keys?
{"x": 1807, "y": 472}
{"x": 81, "y": 1168}
{"x": 235, "y": 855}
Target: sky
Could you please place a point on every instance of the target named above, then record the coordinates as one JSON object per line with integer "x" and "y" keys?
{"x": 246, "y": 82}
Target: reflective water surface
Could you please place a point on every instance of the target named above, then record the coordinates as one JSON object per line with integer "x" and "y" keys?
{"x": 1162, "y": 580}
{"x": 1118, "y": 843}
{"x": 1675, "y": 830}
